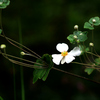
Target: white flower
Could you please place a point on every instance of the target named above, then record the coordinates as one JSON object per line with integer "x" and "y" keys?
{"x": 65, "y": 56}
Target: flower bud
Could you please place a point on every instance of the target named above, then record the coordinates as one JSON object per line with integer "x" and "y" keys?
{"x": 22, "y": 53}
{"x": 3, "y": 46}
{"x": 75, "y": 37}
{"x": 93, "y": 20}
{"x": 76, "y": 27}
{"x": 1, "y": 3}
{"x": 81, "y": 33}
{"x": 78, "y": 41}
{"x": 91, "y": 44}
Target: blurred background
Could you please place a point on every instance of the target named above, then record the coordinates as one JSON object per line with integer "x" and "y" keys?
{"x": 43, "y": 24}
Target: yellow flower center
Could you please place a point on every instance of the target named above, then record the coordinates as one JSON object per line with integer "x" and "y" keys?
{"x": 64, "y": 53}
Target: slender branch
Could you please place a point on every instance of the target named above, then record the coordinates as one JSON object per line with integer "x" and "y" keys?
{"x": 21, "y": 59}
{"x": 75, "y": 75}
{"x": 92, "y": 54}
{"x": 11, "y": 42}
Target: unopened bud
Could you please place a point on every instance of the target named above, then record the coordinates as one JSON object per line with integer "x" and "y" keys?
{"x": 22, "y": 53}
{"x": 75, "y": 37}
{"x": 76, "y": 27}
{"x": 93, "y": 20}
{"x": 1, "y": 3}
{"x": 3, "y": 46}
{"x": 81, "y": 33}
{"x": 78, "y": 41}
{"x": 91, "y": 44}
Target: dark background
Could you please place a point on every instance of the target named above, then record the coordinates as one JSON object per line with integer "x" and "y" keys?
{"x": 44, "y": 23}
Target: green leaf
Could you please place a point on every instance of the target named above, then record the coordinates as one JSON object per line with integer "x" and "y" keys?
{"x": 46, "y": 74}
{"x": 1, "y": 98}
{"x": 37, "y": 74}
{"x": 83, "y": 49}
{"x": 71, "y": 38}
{"x": 0, "y": 31}
{"x": 81, "y": 36}
{"x": 42, "y": 73}
{"x": 89, "y": 70}
{"x": 77, "y": 36}
{"x": 97, "y": 61}
{"x": 97, "y": 19}
{"x": 88, "y": 26}
{"x": 4, "y": 3}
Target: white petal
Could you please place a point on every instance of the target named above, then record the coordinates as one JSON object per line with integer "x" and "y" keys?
{"x": 62, "y": 47}
{"x": 69, "y": 58}
{"x": 57, "y": 58}
{"x": 75, "y": 52}
{"x": 63, "y": 60}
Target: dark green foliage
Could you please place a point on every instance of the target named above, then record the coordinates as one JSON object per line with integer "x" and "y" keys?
{"x": 4, "y": 3}
{"x": 1, "y": 98}
{"x": 0, "y": 31}
{"x": 83, "y": 49}
{"x": 97, "y": 21}
{"x": 89, "y": 70}
{"x": 90, "y": 25}
{"x": 81, "y": 36}
{"x": 97, "y": 61}
{"x": 71, "y": 38}
{"x": 77, "y": 36}
{"x": 42, "y": 73}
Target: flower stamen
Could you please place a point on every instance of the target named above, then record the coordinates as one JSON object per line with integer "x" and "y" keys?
{"x": 64, "y": 53}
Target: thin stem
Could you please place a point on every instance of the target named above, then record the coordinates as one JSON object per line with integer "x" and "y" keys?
{"x": 81, "y": 64}
{"x": 21, "y": 67}
{"x": 14, "y": 82}
{"x": 75, "y": 75}
{"x": 86, "y": 54}
{"x": 92, "y": 54}
{"x": 24, "y": 64}
{"x": 93, "y": 42}
{"x": 20, "y": 62}
{"x": 10, "y": 40}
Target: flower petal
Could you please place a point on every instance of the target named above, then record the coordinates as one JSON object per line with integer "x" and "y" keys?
{"x": 57, "y": 58}
{"x": 75, "y": 52}
{"x": 69, "y": 58}
{"x": 62, "y": 47}
{"x": 63, "y": 60}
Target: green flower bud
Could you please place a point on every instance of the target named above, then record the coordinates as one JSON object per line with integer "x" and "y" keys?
{"x": 1, "y": 3}
{"x": 76, "y": 27}
{"x": 22, "y": 53}
{"x": 75, "y": 37}
{"x": 93, "y": 20}
{"x": 91, "y": 44}
{"x": 81, "y": 33}
{"x": 78, "y": 41}
{"x": 3, "y": 46}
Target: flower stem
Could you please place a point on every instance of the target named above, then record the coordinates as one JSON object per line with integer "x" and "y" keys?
{"x": 75, "y": 75}
{"x": 14, "y": 82}
{"x": 21, "y": 67}
{"x": 92, "y": 54}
